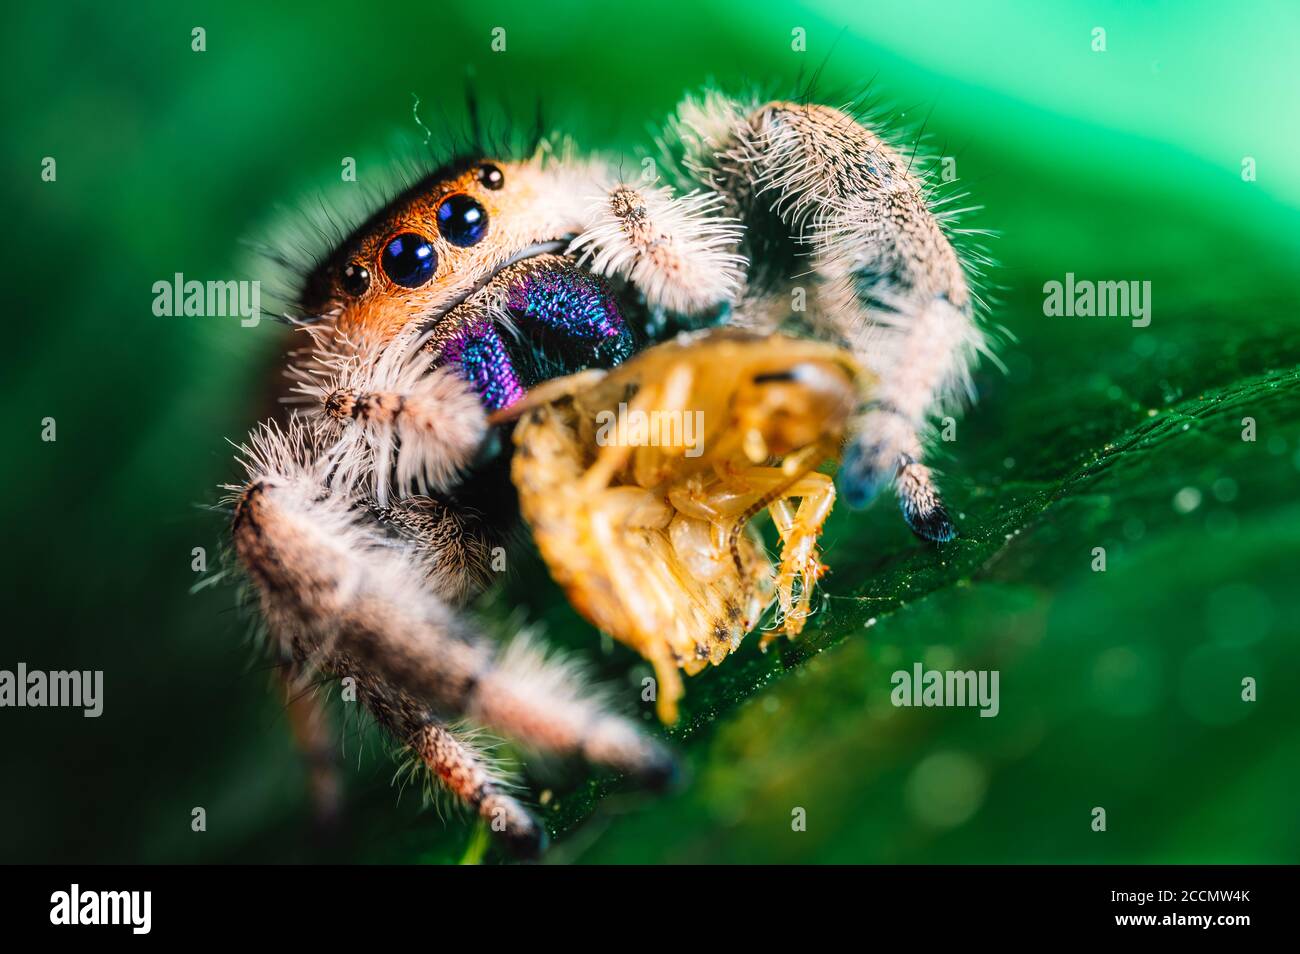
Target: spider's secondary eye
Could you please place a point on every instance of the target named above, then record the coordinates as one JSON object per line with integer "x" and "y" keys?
{"x": 355, "y": 279}
{"x": 461, "y": 220}
{"x": 409, "y": 260}
{"x": 490, "y": 177}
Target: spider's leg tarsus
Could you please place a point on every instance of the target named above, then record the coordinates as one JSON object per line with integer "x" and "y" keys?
{"x": 466, "y": 774}
{"x": 864, "y": 472}
{"x": 922, "y": 506}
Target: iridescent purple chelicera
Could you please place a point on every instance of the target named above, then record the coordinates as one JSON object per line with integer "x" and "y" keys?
{"x": 562, "y": 312}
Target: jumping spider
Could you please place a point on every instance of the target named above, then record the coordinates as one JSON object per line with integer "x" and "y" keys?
{"x": 368, "y": 520}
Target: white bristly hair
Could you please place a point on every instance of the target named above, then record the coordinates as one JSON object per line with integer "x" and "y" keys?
{"x": 408, "y": 429}
{"x": 678, "y": 250}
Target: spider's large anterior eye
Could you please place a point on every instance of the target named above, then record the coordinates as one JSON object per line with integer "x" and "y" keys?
{"x": 461, "y": 220}
{"x": 409, "y": 260}
{"x": 355, "y": 279}
{"x": 490, "y": 177}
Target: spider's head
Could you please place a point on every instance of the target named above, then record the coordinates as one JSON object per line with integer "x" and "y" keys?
{"x": 472, "y": 259}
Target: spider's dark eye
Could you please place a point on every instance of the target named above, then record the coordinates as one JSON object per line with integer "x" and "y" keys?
{"x": 491, "y": 177}
{"x": 355, "y": 279}
{"x": 461, "y": 220}
{"x": 409, "y": 260}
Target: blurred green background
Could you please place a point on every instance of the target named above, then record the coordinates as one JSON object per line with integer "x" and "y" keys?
{"x": 1119, "y": 689}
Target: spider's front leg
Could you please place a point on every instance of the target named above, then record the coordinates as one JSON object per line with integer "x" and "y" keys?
{"x": 812, "y": 183}
{"x": 344, "y": 598}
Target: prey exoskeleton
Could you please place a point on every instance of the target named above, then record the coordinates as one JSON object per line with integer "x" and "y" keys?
{"x": 640, "y": 485}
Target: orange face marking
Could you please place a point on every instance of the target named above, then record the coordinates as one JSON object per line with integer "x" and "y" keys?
{"x": 374, "y": 314}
